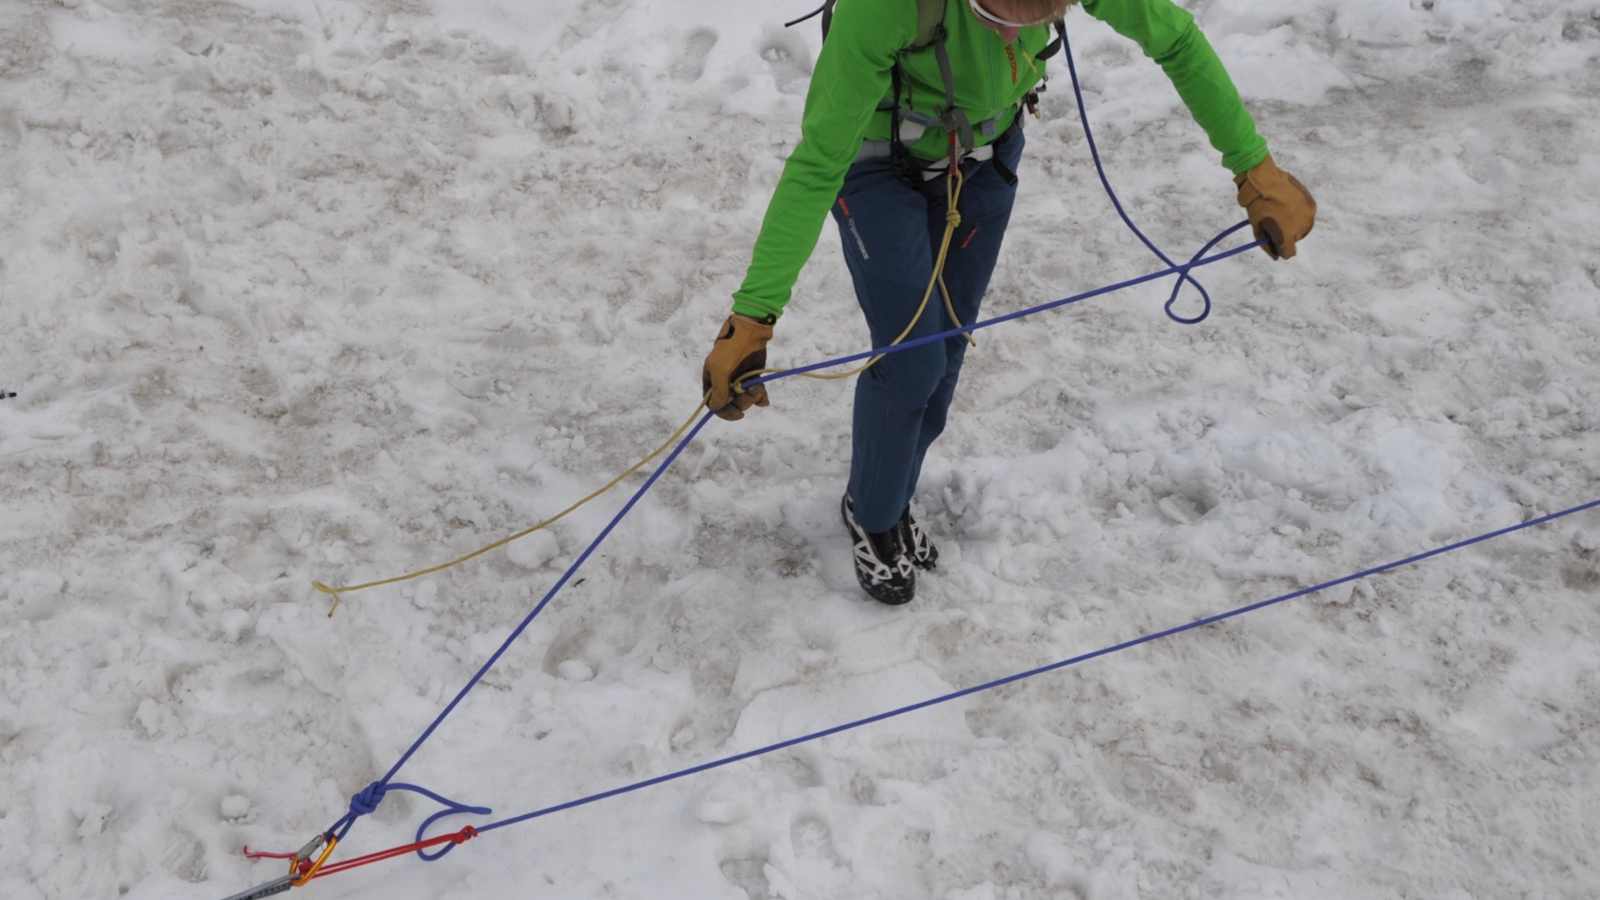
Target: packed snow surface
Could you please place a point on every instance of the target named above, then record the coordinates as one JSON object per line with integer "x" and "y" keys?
{"x": 313, "y": 289}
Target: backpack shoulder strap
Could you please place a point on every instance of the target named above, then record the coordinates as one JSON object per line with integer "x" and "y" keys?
{"x": 930, "y": 34}
{"x": 930, "y": 24}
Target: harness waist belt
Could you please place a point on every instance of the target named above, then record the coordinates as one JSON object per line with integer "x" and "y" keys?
{"x": 930, "y": 169}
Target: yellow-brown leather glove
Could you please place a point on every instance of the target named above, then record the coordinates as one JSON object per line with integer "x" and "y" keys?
{"x": 1281, "y": 210}
{"x": 741, "y": 347}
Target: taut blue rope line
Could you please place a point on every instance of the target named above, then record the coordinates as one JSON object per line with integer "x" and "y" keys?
{"x": 1018, "y": 314}
{"x": 1009, "y": 679}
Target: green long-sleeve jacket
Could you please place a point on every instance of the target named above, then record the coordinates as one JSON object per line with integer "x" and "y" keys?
{"x": 852, "y": 77}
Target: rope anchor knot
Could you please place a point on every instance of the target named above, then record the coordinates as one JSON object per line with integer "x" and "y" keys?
{"x": 366, "y": 801}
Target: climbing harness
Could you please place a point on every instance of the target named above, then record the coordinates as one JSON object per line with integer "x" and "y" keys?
{"x": 930, "y": 35}
{"x": 907, "y": 124}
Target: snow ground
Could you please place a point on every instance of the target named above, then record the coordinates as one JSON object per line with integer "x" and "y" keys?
{"x": 298, "y": 289}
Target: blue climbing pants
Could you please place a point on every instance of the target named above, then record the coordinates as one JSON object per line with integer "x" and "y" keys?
{"x": 891, "y": 228}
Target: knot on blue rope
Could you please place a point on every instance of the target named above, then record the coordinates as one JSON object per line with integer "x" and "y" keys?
{"x": 365, "y": 803}
{"x": 367, "y": 800}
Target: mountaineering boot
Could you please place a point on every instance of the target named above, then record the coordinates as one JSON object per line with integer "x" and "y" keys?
{"x": 924, "y": 555}
{"x": 883, "y": 563}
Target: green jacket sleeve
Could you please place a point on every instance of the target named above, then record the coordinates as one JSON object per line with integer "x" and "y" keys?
{"x": 852, "y": 76}
{"x": 1168, "y": 35}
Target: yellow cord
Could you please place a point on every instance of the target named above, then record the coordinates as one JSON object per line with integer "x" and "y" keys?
{"x": 952, "y": 221}
{"x": 954, "y": 183}
{"x": 336, "y": 592}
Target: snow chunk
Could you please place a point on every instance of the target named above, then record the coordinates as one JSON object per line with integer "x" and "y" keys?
{"x": 1053, "y": 858}
{"x": 533, "y": 551}
{"x": 93, "y": 820}
{"x": 235, "y": 807}
{"x": 575, "y": 670}
{"x": 724, "y": 803}
{"x": 234, "y": 622}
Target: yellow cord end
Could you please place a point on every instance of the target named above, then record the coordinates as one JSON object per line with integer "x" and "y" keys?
{"x": 332, "y": 592}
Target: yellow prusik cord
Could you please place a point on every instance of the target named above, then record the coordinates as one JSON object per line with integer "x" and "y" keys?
{"x": 954, "y": 182}
{"x": 952, "y": 221}
{"x": 337, "y": 592}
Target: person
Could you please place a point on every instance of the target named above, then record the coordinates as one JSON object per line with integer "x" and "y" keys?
{"x": 868, "y": 144}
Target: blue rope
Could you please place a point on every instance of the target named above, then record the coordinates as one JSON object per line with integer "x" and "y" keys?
{"x": 1019, "y": 314}
{"x": 1009, "y": 679}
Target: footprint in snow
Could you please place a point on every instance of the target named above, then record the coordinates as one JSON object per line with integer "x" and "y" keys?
{"x": 812, "y": 839}
{"x": 789, "y": 58}
{"x": 690, "y": 63}
{"x": 749, "y": 874}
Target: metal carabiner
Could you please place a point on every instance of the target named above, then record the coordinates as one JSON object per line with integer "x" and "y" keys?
{"x": 312, "y": 846}
{"x": 302, "y": 869}
{"x": 300, "y": 866}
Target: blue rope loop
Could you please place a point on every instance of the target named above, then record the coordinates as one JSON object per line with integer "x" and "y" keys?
{"x": 367, "y": 800}
{"x": 1099, "y": 167}
{"x": 1183, "y": 273}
